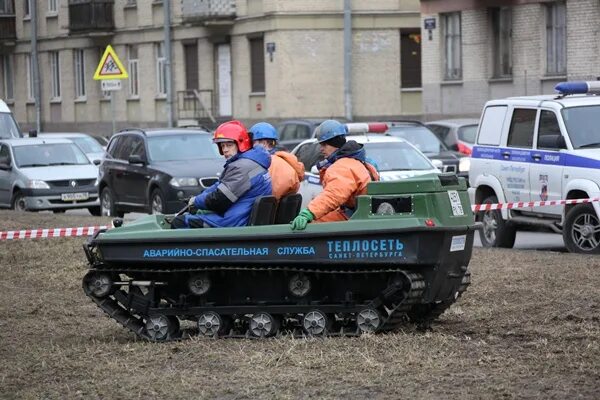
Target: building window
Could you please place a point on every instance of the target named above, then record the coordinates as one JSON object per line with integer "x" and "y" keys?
{"x": 6, "y": 7}
{"x": 8, "y": 77}
{"x": 52, "y": 6}
{"x": 161, "y": 69}
{"x": 452, "y": 46}
{"x": 27, "y": 8}
{"x": 30, "y": 86}
{"x": 132, "y": 65}
{"x": 190, "y": 56}
{"x": 410, "y": 59}
{"x": 257, "y": 64}
{"x": 556, "y": 39}
{"x": 55, "y": 74}
{"x": 79, "y": 68}
{"x": 502, "y": 36}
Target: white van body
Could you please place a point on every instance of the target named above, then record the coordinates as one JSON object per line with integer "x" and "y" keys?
{"x": 9, "y": 129}
{"x": 539, "y": 148}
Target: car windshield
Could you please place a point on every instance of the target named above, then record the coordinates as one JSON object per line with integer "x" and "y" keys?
{"x": 182, "y": 147}
{"x": 396, "y": 156}
{"x": 8, "y": 127}
{"x": 421, "y": 137}
{"x": 87, "y": 144}
{"x": 583, "y": 125}
{"x": 48, "y": 154}
{"x": 467, "y": 133}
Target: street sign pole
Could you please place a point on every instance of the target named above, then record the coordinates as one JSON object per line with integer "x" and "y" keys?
{"x": 112, "y": 111}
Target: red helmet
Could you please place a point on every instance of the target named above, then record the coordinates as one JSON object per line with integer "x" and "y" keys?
{"x": 233, "y": 131}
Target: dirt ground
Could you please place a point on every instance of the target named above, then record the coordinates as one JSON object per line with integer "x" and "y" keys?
{"x": 527, "y": 327}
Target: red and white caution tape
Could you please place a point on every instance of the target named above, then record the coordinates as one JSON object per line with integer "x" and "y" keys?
{"x": 90, "y": 230}
{"x": 50, "y": 233}
{"x": 525, "y": 204}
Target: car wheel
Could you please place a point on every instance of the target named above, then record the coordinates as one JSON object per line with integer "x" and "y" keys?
{"x": 95, "y": 211}
{"x": 107, "y": 204}
{"x": 496, "y": 231}
{"x": 18, "y": 203}
{"x": 157, "y": 202}
{"x": 581, "y": 231}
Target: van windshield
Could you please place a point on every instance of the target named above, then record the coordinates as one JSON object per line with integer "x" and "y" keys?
{"x": 583, "y": 126}
{"x": 8, "y": 127}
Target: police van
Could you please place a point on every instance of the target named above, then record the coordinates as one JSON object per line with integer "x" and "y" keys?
{"x": 8, "y": 126}
{"x": 540, "y": 148}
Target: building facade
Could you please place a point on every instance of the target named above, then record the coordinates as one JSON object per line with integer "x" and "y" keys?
{"x": 476, "y": 50}
{"x": 245, "y": 59}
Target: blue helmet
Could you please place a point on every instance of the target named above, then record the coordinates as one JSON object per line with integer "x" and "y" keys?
{"x": 330, "y": 129}
{"x": 263, "y": 130}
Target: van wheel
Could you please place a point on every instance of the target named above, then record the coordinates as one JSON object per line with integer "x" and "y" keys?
{"x": 107, "y": 204}
{"x": 18, "y": 203}
{"x": 496, "y": 232}
{"x": 581, "y": 231}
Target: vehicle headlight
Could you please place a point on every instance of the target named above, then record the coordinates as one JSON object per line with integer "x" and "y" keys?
{"x": 464, "y": 164}
{"x": 96, "y": 182}
{"x": 178, "y": 182}
{"x": 37, "y": 184}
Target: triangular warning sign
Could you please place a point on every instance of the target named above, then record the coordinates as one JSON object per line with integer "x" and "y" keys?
{"x": 110, "y": 66}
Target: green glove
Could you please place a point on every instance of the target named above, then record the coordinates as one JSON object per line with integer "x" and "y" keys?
{"x": 203, "y": 212}
{"x": 304, "y": 217}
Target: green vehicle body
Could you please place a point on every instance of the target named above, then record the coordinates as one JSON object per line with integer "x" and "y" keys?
{"x": 403, "y": 255}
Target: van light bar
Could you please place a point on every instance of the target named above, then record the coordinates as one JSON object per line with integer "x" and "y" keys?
{"x": 578, "y": 87}
{"x": 363, "y": 127}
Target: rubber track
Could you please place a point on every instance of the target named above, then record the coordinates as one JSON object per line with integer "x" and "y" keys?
{"x": 396, "y": 316}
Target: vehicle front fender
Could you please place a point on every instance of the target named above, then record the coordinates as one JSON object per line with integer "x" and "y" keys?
{"x": 585, "y": 185}
{"x": 492, "y": 182}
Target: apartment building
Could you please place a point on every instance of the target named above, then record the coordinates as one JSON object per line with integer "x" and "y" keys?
{"x": 475, "y": 50}
{"x": 246, "y": 59}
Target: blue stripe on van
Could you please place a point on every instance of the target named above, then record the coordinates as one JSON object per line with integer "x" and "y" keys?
{"x": 526, "y": 156}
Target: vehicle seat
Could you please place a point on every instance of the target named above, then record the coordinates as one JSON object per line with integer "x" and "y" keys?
{"x": 288, "y": 209}
{"x": 263, "y": 211}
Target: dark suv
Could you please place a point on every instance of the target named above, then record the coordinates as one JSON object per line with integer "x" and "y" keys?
{"x": 154, "y": 170}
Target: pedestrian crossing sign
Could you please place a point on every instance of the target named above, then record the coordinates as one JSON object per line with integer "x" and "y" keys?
{"x": 110, "y": 67}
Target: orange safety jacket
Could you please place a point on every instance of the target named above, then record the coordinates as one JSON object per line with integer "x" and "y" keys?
{"x": 342, "y": 182}
{"x": 286, "y": 173}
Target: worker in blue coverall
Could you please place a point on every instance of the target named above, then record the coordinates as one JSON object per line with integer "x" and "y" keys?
{"x": 245, "y": 177}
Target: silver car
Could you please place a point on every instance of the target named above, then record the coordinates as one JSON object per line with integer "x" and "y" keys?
{"x": 46, "y": 174}
{"x": 90, "y": 146}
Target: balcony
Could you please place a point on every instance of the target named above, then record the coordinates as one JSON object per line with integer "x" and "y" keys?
{"x": 7, "y": 27}
{"x": 88, "y": 16}
{"x": 208, "y": 11}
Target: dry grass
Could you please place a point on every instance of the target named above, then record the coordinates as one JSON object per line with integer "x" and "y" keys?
{"x": 528, "y": 327}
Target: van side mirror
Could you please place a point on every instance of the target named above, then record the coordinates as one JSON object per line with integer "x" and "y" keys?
{"x": 554, "y": 142}
{"x": 97, "y": 161}
{"x": 5, "y": 165}
{"x": 136, "y": 159}
{"x": 33, "y": 133}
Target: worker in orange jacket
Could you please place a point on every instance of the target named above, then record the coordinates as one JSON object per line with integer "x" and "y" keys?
{"x": 344, "y": 175}
{"x": 285, "y": 170}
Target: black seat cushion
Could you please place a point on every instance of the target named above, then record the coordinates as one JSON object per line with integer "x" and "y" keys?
{"x": 263, "y": 211}
{"x": 288, "y": 209}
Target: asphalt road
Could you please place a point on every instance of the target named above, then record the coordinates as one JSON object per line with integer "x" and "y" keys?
{"x": 525, "y": 240}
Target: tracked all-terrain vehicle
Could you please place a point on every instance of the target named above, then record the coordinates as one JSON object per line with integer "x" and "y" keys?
{"x": 402, "y": 257}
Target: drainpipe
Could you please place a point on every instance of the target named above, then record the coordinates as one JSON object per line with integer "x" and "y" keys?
{"x": 35, "y": 69}
{"x": 167, "y": 39}
{"x": 348, "y": 60}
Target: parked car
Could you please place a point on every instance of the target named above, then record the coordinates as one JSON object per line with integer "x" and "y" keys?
{"x": 425, "y": 140}
{"x": 540, "y": 148}
{"x": 86, "y": 143}
{"x": 457, "y": 134}
{"x": 154, "y": 170}
{"x": 294, "y": 131}
{"x": 394, "y": 158}
{"x": 8, "y": 126}
{"x": 46, "y": 174}
{"x": 102, "y": 140}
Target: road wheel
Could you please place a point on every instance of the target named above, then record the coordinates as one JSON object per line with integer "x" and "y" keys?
{"x": 107, "y": 204}
{"x": 95, "y": 211}
{"x": 581, "y": 231}
{"x": 496, "y": 231}
{"x": 157, "y": 202}
{"x": 18, "y": 203}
